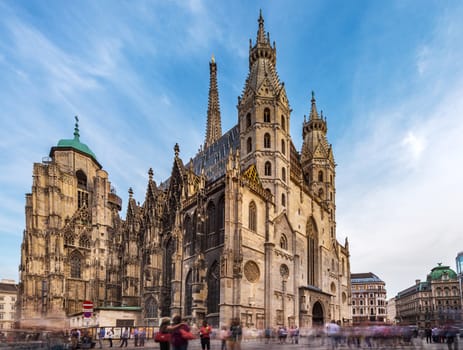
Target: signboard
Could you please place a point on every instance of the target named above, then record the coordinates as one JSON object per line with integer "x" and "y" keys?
{"x": 87, "y": 307}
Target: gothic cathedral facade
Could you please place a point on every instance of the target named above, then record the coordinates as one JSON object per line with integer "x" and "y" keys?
{"x": 246, "y": 228}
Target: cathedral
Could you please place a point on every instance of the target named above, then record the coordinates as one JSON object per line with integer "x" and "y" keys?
{"x": 246, "y": 228}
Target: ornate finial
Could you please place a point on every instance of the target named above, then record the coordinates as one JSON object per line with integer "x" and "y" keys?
{"x": 130, "y": 192}
{"x": 150, "y": 174}
{"x": 76, "y": 128}
{"x": 176, "y": 149}
{"x": 313, "y": 97}
{"x": 212, "y": 59}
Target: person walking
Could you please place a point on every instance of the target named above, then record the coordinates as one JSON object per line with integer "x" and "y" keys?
{"x": 205, "y": 335}
{"x": 124, "y": 337}
{"x": 101, "y": 335}
{"x": 110, "y": 335}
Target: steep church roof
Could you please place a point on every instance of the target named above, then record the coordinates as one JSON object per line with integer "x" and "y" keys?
{"x": 213, "y": 159}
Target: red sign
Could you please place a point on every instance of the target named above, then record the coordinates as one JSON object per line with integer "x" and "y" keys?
{"x": 87, "y": 308}
{"x": 87, "y": 305}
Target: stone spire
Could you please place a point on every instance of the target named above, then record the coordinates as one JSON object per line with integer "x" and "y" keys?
{"x": 262, "y": 48}
{"x": 313, "y": 109}
{"x": 214, "y": 123}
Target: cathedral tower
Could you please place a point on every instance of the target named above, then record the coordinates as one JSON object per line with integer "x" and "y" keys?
{"x": 318, "y": 162}
{"x": 264, "y": 120}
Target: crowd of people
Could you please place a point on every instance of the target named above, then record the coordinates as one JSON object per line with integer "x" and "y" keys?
{"x": 176, "y": 333}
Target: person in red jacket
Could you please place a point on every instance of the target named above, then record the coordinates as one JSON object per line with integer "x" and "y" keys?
{"x": 205, "y": 334}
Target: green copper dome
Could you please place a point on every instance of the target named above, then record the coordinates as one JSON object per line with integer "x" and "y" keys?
{"x": 75, "y": 142}
{"x": 439, "y": 271}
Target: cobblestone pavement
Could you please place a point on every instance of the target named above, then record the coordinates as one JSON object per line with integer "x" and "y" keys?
{"x": 303, "y": 344}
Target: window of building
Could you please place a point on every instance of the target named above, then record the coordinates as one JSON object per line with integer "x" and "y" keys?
{"x": 188, "y": 293}
{"x": 268, "y": 169}
{"x": 252, "y": 216}
{"x": 81, "y": 179}
{"x": 76, "y": 264}
{"x": 283, "y": 122}
{"x": 283, "y": 242}
{"x": 320, "y": 176}
{"x": 266, "y": 115}
{"x": 151, "y": 308}
{"x": 84, "y": 241}
{"x": 283, "y": 200}
{"x": 248, "y": 120}
{"x": 2, "y": 306}
{"x": 283, "y": 174}
{"x": 283, "y": 146}
{"x": 213, "y": 289}
{"x": 249, "y": 145}
{"x": 267, "y": 141}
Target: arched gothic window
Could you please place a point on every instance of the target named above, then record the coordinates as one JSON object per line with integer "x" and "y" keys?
{"x": 266, "y": 115}
{"x": 151, "y": 308}
{"x": 283, "y": 123}
{"x": 283, "y": 242}
{"x": 188, "y": 242}
{"x": 320, "y": 176}
{"x": 248, "y": 120}
{"x": 81, "y": 179}
{"x": 221, "y": 219}
{"x": 283, "y": 174}
{"x": 267, "y": 141}
{"x": 75, "y": 261}
{"x": 283, "y": 200}
{"x": 69, "y": 238}
{"x": 211, "y": 229}
{"x": 249, "y": 145}
{"x": 84, "y": 241}
{"x": 213, "y": 289}
{"x": 283, "y": 146}
{"x": 268, "y": 169}
{"x": 188, "y": 294}
{"x": 252, "y": 216}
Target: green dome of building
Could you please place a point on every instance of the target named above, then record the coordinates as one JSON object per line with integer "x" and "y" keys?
{"x": 75, "y": 142}
{"x": 439, "y": 271}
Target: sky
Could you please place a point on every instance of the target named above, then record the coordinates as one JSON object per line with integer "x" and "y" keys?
{"x": 388, "y": 76}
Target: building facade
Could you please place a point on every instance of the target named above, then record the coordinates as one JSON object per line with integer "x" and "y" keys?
{"x": 8, "y": 298}
{"x": 368, "y": 298}
{"x": 434, "y": 302}
{"x": 246, "y": 228}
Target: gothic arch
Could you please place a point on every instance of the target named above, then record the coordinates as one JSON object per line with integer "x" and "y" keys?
{"x": 221, "y": 219}
{"x": 317, "y": 314}
{"x": 151, "y": 308}
{"x": 188, "y": 241}
{"x": 312, "y": 252}
{"x": 188, "y": 302}
{"x": 75, "y": 264}
{"x": 213, "y": 288}
{"x": 211, "y": 226}
{"x": 81, "y": 179}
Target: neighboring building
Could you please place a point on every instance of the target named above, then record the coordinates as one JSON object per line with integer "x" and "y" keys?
{"x": 246, "y": 228}
{"x": 459, "y": 261}
{"x": 8, "y": 298}
{"x": 368, "y": 298}
{"x": 391, "y": 311}
{"x": 433, "y": 302}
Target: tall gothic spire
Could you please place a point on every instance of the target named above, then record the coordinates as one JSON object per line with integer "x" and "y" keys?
{"x": 313, "y": 108}
{"x": 214, "y": 123}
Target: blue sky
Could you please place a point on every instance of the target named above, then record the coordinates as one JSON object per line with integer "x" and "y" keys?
{"x": 388, "y": 76}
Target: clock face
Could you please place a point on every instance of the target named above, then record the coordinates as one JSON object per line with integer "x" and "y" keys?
{"x": 251, "y": 271}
